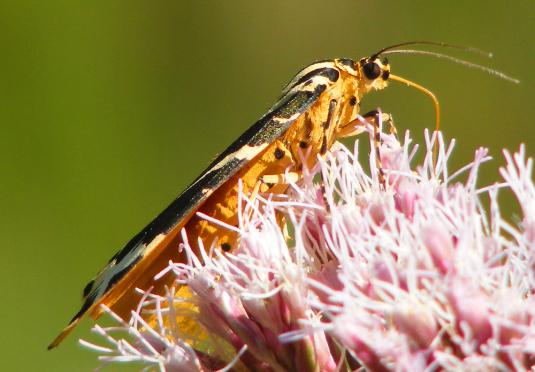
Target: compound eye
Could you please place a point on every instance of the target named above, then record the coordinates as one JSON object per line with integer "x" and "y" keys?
{"x": 371, "y": 70}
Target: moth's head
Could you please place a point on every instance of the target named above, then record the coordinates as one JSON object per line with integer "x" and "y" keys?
{"x": 374, "y": 73}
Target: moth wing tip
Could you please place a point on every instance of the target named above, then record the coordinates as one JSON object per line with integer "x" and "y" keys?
{"x": 64, "y": 333}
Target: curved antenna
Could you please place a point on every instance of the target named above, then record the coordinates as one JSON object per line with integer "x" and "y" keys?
{"x": 459, "y": 61}
{"x": 435, "y": 102}
{"x": 424, "y": 90}
{"x": 435, "y": 43}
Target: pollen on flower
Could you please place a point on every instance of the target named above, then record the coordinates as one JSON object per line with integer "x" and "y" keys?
{"x": 412, "y": 276}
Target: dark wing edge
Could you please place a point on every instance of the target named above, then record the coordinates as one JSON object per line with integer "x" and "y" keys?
{"x": 265, "y": 131}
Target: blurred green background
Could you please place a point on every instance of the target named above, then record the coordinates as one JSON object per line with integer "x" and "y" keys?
{"x": 110, "y": 108}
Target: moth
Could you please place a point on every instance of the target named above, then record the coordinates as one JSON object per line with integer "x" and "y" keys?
{"x": 318, "y": 106}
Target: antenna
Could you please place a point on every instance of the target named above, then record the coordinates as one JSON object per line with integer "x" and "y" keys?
{"x": 424, "y": 90}
{"x": 459, "y": 61}
{"x": 435, "y": 43}
{"x": 392, "y": 50}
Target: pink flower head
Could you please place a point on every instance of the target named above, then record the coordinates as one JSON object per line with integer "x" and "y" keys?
{"x": 411, "y": 275}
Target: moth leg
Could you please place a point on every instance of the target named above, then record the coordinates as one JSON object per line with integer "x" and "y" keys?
{"x": 389, "y": 119}
{"x": 392, "y": 126}
{"x": 375, "y": 118}
{"x": 281, "y": 179}
{"x": 328, "y": 124}
{"x": 357, "y": 126}
{"x": 256, "y": 189}
{"x": 269, "y": 181}
{"x": 279, "y": 161}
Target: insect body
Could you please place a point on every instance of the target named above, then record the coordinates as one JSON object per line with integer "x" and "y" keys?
{"x": 319, "y": 105}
